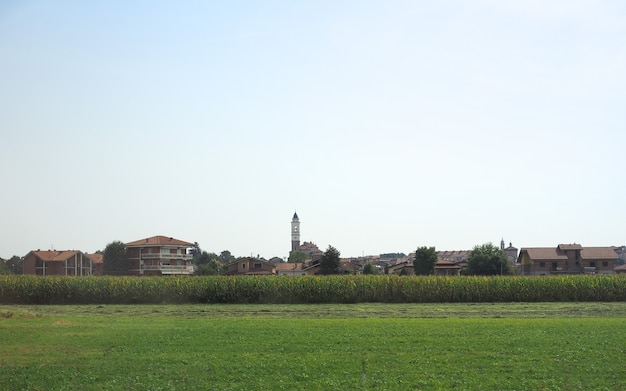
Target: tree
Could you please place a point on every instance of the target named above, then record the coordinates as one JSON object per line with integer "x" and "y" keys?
{"x": 425, "y": 260}
{"x": 15, "y": 264}
{"x": 226, "y": 257}
{"x": 210, "y": 268}
{"x": 297, "y": 257}
{"x": 489, "y": 260}
{"x": 195, "y": 250}
{"x": 203, "y": 257}
{"x": 329, "y": 264}
{"x": 115, "y": 261}
{"x": 369, "y": 268}
{"x": 206, "y": 263}
{"x": 4, "y": 269}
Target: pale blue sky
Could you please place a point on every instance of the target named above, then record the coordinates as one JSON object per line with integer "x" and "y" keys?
{"x": 386, "y": 125}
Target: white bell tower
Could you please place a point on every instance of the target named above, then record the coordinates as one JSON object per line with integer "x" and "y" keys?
{"x": 295, "y": 232}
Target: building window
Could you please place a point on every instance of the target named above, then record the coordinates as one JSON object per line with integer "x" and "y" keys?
{"x": 542, "y": 264}
{"x": 554, "y": 266}
{"x": 592, "y": 264}
{"x": 605, "y": 264}
{"x": 258, "y": 266}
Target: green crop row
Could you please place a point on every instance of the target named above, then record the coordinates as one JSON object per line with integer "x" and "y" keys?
{"x": 20, "y": 289}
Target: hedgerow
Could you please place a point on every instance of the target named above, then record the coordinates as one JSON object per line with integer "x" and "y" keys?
{"x": 22, "y": 289}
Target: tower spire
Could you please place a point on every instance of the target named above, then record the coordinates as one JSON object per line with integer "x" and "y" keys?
{"x": 295, "y": 232}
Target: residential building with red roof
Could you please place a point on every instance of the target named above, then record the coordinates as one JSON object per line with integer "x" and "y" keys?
{"x": 158, "y": 256}
{"x": 59, "y": 263}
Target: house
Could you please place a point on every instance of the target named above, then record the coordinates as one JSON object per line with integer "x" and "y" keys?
{"x": 600, "y": 260}
{"x": 312, "y": 267}
{"x": 447, "y": 268}
{"x": 404, "y": 267}
{"x": 620, "y": 269}
{"x": 98, "y": 263}
{"x": 58, "y": 263}
{"x": 276, "y": 260}
{"x": 621, "y": 253}
{"x": 443, "y": 267}
{"x": 567, "y": 259}
{"x": 348, "y": 267}
{"x": 456, "y": 256}
{"x": 311, "y": 250}
{"x": 290, "y": 269}
{"x": 158, "y": 256}
{"x": 250, "y": 266}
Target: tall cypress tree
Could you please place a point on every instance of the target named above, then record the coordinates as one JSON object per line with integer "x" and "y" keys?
{"x": 329, "y": 264}
{"x": 115, "y": 261}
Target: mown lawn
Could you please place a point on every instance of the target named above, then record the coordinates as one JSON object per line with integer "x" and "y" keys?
{"x": 519, "y": 346}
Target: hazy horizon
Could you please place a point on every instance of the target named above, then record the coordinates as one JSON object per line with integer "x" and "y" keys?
{"x": 385, "y": 125}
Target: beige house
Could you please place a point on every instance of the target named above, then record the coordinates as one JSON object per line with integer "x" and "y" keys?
{"x": 567, "y": 259}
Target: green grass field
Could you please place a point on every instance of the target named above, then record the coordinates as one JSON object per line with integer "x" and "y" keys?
{"x": 516, "y": 346}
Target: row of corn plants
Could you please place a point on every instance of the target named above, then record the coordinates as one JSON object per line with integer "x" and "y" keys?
{"x": 20, "y": 289}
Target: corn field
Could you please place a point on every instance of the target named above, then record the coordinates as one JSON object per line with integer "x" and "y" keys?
{"x": 21, "y": 289}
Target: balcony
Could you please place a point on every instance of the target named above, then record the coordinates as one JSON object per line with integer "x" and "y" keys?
{"x": 169, "y": 269}
{"x": 185, "y": 257}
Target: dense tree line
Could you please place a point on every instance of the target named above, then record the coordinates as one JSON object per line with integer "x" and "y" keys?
{"x": 13, "y": 265}
{"x": 488, "y": 260}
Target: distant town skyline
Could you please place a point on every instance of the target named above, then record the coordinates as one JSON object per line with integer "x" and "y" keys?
{"x": 295, "y": 241}
{"x": 386, "y": 125}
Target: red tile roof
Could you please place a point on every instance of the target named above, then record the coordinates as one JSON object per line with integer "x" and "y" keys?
{"x": 159, "y": 241}
{"x": 96, "y": 258}
{"x": 54, "y": 255}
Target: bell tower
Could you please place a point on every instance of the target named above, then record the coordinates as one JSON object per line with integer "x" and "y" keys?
{"x": 295, "y": 232}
